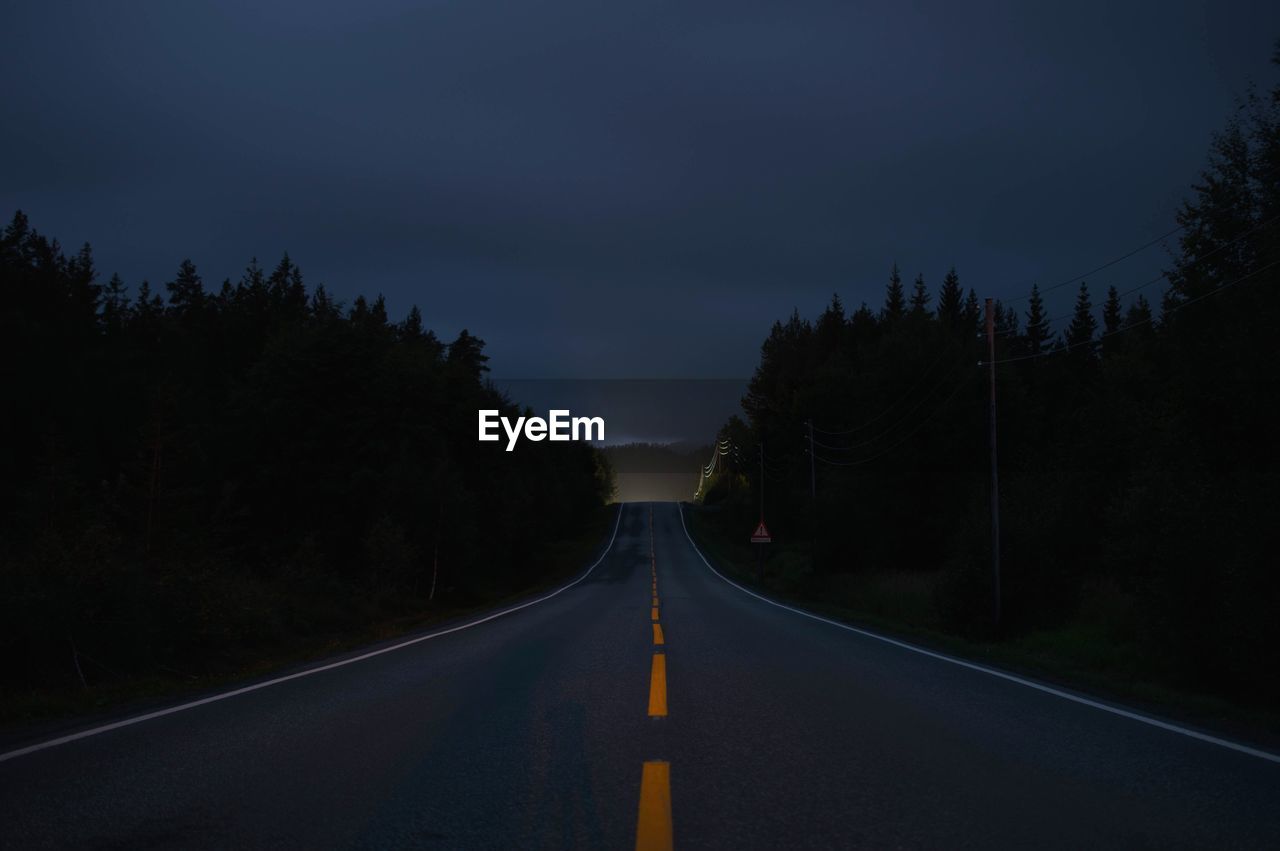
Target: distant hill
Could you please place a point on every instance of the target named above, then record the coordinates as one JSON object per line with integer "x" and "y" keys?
{"x": 656, "y": 472}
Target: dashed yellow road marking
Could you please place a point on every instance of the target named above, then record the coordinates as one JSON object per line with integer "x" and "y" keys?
{"x": 653, "y": 828}
{"x": 658, "y": 686}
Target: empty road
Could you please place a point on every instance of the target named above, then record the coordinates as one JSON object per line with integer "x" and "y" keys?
{"x": 650, "y": 703}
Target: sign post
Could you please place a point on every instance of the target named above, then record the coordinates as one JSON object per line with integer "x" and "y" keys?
{"x": 761, "y": 537}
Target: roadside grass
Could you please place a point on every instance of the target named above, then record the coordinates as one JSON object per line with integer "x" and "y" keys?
{"x": 1096, "y": 653}
{"x": 24, "y": 712}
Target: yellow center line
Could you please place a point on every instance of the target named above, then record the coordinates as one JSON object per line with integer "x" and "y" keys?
{"x": 653, "y": 826}
{"x": 653, "y": 829}
{"x": 658, "y": 687}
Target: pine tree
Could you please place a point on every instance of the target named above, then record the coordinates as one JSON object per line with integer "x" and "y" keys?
{"x": 322, "y": 306}
{"x": 1225, "y": 208}
{"x": 895, "y": 300}
{"x": 83, "y": 291}
{"x": 295, "y": 293}
{"x": 1139, "y": 313}
{"x": 919, "y": 299}
{"x": 15, "y": 237}
{"x": 411, "y": 329}
{"x": 863, "y": 322}
{"x": 466, "y": 354}
{"x": 288, "y": 293}
{"x": 1006, "y": 320}
{"x": 1083, "y": 326}
{"x": 831, "y": 326}
{"x": 226, "y": 297}
{"x": 951, "y": 299}
{"x": 1037, "y": 333}
{"x": 1111, "y": 316}
{"x": 278, "y": 282}
{"x": 186, "y": 291}
{"x": 115, "y": 305}
{"x": 359, "y": 313}
{"x": 413, "y": 332}
{"x": 252, "y": 288}
{"x": 972, "y": 310}
{"x": 148, "y": 306}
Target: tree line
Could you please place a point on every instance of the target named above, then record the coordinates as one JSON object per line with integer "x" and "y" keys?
{"x": 1137, "y": 448}
{"x": 193, "y": 474}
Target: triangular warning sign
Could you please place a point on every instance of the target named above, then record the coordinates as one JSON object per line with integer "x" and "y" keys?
{"x": 761, "y": 535}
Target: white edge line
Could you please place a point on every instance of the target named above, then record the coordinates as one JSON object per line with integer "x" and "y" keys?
{"x": 973, "y": 666}
{"x": 214, "y": 698}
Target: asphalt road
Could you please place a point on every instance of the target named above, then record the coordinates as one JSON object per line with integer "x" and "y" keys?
{"x": 534, "y": 729}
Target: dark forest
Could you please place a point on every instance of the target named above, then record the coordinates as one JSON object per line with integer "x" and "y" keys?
{"x": 1137, "y": 454}
{"x": 193, "y": 476}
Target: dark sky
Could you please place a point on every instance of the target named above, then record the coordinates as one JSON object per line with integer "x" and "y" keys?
{"x": 614, "y": 189}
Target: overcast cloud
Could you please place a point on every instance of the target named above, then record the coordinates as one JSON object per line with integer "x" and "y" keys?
{"x": 619, "y": 189}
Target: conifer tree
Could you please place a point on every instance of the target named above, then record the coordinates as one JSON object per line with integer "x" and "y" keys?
{"x": 278, "y": 282}
{"x": 186, "y": 291}
{"x": 252, "y": 288}
{"x": 863, "y": 322}
{"x": 466, "y": 355}
{"x": 895, "y": 299}
{"x": 226, "y": 296}
{"x": 919, "y": 299}
{"x": 322, "y": 306}
{"x": 1006, "y": 320}
{"x": 1037, "y": 329}
{"x": 82, "y": 288}
{"x": 15, "y": 238}
{"x": 1083, "y": 326}
{"x": 831, "y": 325}
{"x": 378, "y": 311}
{"x": 1139, "y": 313}
{"x": 359, "y": 313}
{"x": 1111, "y": 315}
{"x": 951, "y": 299}
{"x": 411, "y": 329}
{"x": 148, "y": 306}
{"x": 972, "y": 310}
{"x": 115, "y": 304}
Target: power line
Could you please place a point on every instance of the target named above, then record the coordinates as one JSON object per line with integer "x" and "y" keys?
{"x": 1148, "y": 321}
{"x": 943, "y": 355}
{"x": 901, "y": 420}
{"x": 837, "y": 433}
{"x": 1162, "y": 276}
{"x": 1106, "y": 265}
{"x": 905, "y": 437}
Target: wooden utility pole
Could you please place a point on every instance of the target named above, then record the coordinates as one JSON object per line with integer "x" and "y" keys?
{"x": 995, "y": 474}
